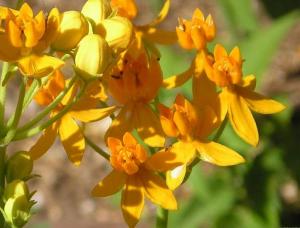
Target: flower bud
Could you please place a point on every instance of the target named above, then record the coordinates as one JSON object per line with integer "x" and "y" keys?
{"x": 96, "y": 10}
{"x": 73, "y": 27}
{"x": 117, "y": 32}
{"x": 15, "y": 189}
{"x": 19, "y": 166}
{"x": 92, "y": 57}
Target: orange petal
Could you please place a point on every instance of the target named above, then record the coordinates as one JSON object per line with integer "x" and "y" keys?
{"x": 219, "y": 52}
{"x": 129, "y": 140}
{"x": 110, "y": 185}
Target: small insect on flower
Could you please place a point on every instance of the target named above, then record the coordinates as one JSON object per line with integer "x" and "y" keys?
{"x": 135, "y": 173}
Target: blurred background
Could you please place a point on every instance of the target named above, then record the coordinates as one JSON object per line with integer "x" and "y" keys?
{"x": 263, "y": 192}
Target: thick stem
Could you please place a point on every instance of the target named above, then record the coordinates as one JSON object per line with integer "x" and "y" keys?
{"x": 162, "y": 217}
{"x": 96, "y": 148}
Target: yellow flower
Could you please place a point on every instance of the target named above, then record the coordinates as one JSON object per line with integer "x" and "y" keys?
{"x": 25, "y": 37}
{"x": 134, "y": 82}
{"x": 237, "y": 96}
{"x": 73, "y": 27}
{"x": 66, "y": 127}
{"x": 197, "y": 32}
{"x": 135, "y": 173}
{"x": 192, "y": 125}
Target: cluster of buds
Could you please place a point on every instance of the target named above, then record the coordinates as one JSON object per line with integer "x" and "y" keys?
{"x": 117, "y": 75}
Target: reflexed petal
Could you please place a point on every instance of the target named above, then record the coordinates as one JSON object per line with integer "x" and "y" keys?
{"x": 242, "y": 120}
{"x": 44, "y": 142}
{"x": 72, "y": 139}
{"x": 175, "y": 177}
{"x": 91, "y": 115}
{"x": 164, "y": 160}
{"x": 178, "y": 80}
{"x": 111, "y": 184}
{"x": 132, "y": 201}
{"x": 39, "y": 65}
{"x": 249, "y": 82}
{"x": 160, "y": 36}
{"x": 162, "y": 14}
{"x": 260, "y": 103}
{"x": 218, "y": 154}
{"x": 157, "y": 190}
{"x": 219, "y": 52}
{"x": 185, "y": 151}
{"x": 148, "y": 125}
{"x": 204, "y": 90}
{"x": 184, "y": 38}
{"x": 208, "y": 121}
{"x": 121, "y": 124}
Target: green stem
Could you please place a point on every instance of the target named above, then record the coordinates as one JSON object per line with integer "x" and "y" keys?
{"x": 48, "y": 109}
{"x": 96, "y": 148}
{"x": 5, "y": 67}
{"x": 33, "y": 131}
{"x": 220, "y": 130}
{"x": 14, "y": 120}
{"x": 30, "y": 93}
{"x": 2, "y": 180}
{"x": 162, "y": 218}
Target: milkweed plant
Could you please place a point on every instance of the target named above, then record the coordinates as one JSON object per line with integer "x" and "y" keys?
{"x": 116, "y": 73}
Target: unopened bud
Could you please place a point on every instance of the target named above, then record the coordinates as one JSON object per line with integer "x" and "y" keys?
{"x": 96, "y": 10}
{"x": 73, "y": 27}
{"x": 92, "y": 57}
{"x": 19, "y": 166}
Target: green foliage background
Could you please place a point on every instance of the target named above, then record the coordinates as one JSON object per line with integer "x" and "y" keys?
{"x": 246, "y": 195}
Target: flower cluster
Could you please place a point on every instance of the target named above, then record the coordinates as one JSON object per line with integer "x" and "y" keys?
{"x": 117, "y": 75}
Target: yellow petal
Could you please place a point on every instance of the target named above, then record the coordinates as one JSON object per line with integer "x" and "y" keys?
{"x": 132, "y": 201}
{"x": 178, "y": 80}
{"x": 34, "y": 30}
{"x": 96, "y": 10}
{"x": 44, "y": 142}
{"x": 249, "y": 82}
{"x": 157, "y": 191}
{"x": 164, "y": 160}
{"x": 14, "y": 34}
{"x": 175, "y": 177}
{"x": 91, "y": 115}
{"x": 148, "y": 125}
{"x": 242, "y": 120}
{"x": 259, "y": 103}
{"x": 72, "y": 139}
{"x": 39, "y": 65}
{"x": 162, "y": 14}
{"x": 121, "y": 124}
{"x": 218, "y": 154}
{"x": 159, "y": 36}
{"x": 111, "y": 184}
{"x": 70, "y": 94}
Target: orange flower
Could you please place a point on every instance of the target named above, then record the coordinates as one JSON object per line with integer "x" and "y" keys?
{"x": 134, "y": 82}
{"x": 192, "y": 125}
{"x": 237, "y": 96}
{"x": 197, "y": 32}
{"x": 135, "y": 173}
{"x": 125, "y": 8}
{"x": 69, "y": 132}
{"x": 25, "y": 37}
